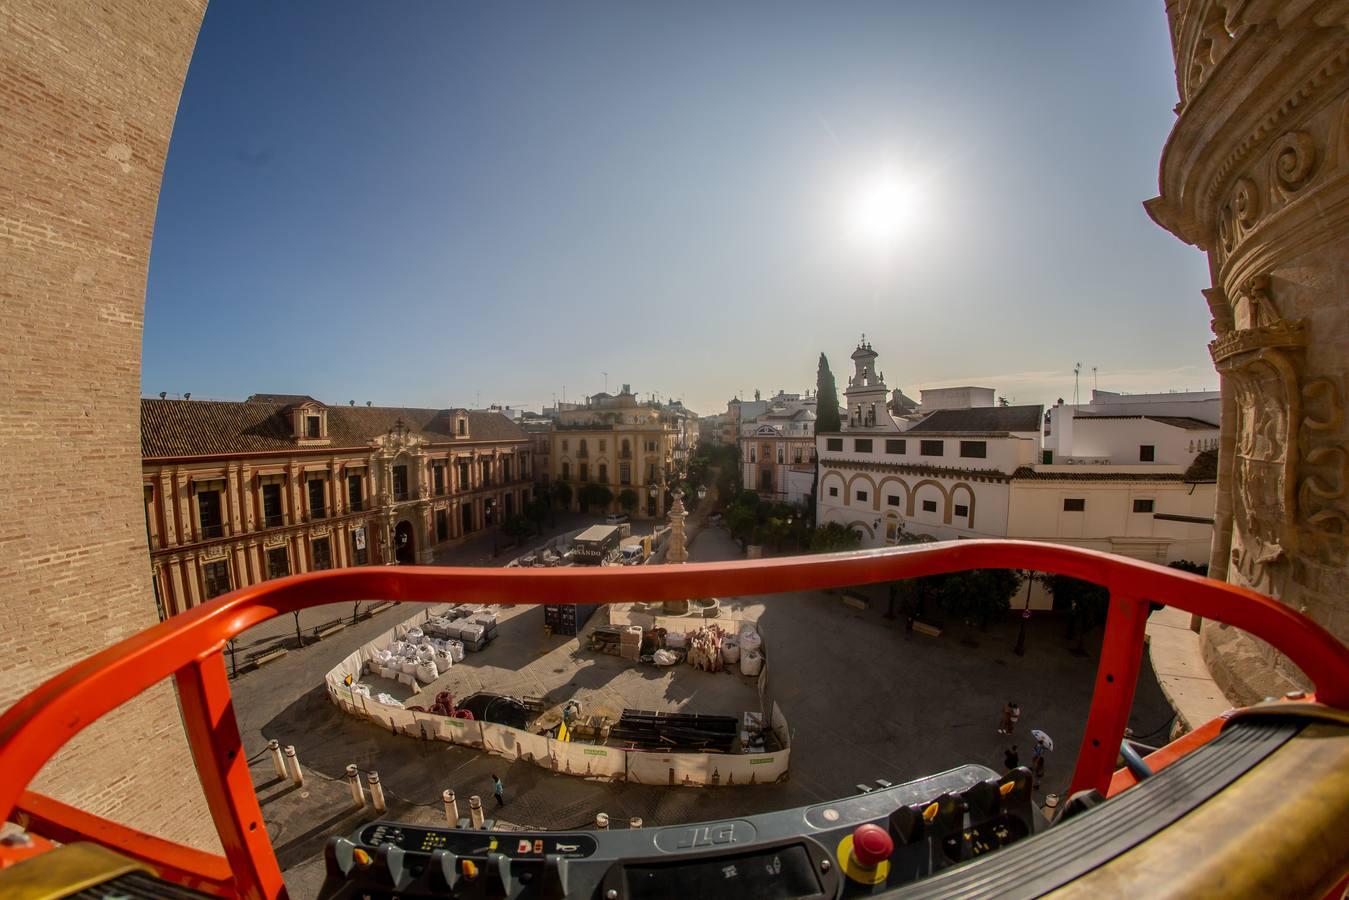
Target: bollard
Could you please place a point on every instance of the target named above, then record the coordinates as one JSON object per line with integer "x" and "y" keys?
{"x": 451, "y": 809}
{"x": 602, "y": 821}
{"x": 357, "y": 791}
{"x": 294, "y": 761}
{"x": 635, "y": 822}
{"x": 475, "y": 811}
{"x": 278, "y": 761}
{"x": 376, "y": 791}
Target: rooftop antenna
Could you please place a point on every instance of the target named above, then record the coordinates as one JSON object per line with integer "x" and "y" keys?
{"x": 163, "y": 394}
{"x": 1077, "y": 371}
{"x": 1093, "y": 379}
{"x": 606, "y": 381}
{"x": 187, "y": 396}
{"x": 477, "y": 400}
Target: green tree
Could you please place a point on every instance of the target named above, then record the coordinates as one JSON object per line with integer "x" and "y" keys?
{"x": 538, "y": 511}
{"x": 826, "y": 400}
{"x": 593, "y": 495}
{"x": 562, "y": 493}
{"x": 1087, "y": 605}
{"x": 834, "y": 538}
{"x": 627, "y": 498}
{"x": 740, "y": 521}
{"x": 517, "y": 527}
{"x": 978, "y": 595}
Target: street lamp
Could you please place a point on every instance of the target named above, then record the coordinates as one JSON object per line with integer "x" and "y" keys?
{"x": 1020, "y": 648}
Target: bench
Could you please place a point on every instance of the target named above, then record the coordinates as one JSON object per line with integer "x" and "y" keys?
{"x": 855, "y": 600}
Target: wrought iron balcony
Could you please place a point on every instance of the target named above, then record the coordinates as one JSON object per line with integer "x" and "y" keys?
{"x": 186, "y": 647}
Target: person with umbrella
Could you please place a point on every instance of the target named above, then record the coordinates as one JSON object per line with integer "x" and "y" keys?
{"x": 1043, "y": 742}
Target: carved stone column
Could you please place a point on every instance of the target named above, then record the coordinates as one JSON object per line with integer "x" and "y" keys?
{"x": 1256, "y": 174}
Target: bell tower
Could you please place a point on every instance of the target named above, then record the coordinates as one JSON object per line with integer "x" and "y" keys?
{"x": 866, "y": 393}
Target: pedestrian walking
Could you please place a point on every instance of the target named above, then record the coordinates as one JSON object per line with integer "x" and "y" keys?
{"x": 1016, "y": 716}
{"x": 498, "y": 791}
{"x": 1039, "y": 767}
{"x": 1010, "y": 759}
{"x": 1005, "y": 722}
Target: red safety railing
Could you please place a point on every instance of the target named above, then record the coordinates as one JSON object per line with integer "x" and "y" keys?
{"x": 188, "y": 647}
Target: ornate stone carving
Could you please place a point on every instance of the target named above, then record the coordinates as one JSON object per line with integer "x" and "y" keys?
{"x": 1246, "y": 203}
{"x": 1294, "y": 161}
{"x": 274, "y": 540}
{"x": 214, "y": 552}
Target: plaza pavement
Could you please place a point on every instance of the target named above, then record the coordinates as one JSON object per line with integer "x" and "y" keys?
{"x": 864, "y": 699}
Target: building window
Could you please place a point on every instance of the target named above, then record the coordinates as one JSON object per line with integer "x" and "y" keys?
{"x": 315, "y": 487}
{"x": 400, "y": 482}
{"x": 360, "y": 553}
{"x": 833, "y": 444}
{"x": 272, "y": 516}
{"x": 930, "y": 506}
{"x": 650, "y": 446}
{"x": 861, "y": 496}
{"x": 781, "y": 457}
{"x": 932, "y": 448}
{"x": 1074, "y": 504}
{"x": 442, "y": 525}
{"x": 625, "y": 473}
{"x": 438, "y": 479}
{"x": 894, "y": 446}
{"x": 861, "y": 445}
{"x": 604, "y": 473}
{"x": 1142, "y": 506}
{"x": 1047, "y": 457}
{"x": 208, "y": 510}
{"x": 1147, "y": 452}
{"x": 796, "y": 455}
{"x": 962, "y": 511}
{"x": 355, "y": 502}
{"x": 564, "y": 445}
{"x": 602, "y": 445}
{"x": 505, "y": 468}
{"x": 566, "y": 471}
{"x": 974, "y": 449}
{"x": 278, "y": 563}
{"x": 833, "y": 492}
{"x": 463, "y": 427}
{"x": 463, "y": 476}
{"x": 583, "y": 451}
{"x": 322, "y": 550}
{"x": 313, "y": 427}
{"x": 217, "y": 578}
{"x": 486, "y": 472}
{"x": 626, "y": 452}
{"x": 585, "y": 471}
{"x": 892, "y": 500}
{"x": 753, "y": 454}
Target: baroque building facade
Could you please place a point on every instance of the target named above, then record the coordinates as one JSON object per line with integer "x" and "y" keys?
{"x": 1256, "y": 174}
{"x": 240, "y": 492}
{"x": 621, "y": 444}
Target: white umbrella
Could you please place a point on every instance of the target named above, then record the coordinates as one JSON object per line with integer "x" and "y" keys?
{"x": 1042, "y": 738}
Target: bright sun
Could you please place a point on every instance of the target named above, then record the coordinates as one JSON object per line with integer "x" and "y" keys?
{"x": 883, "y": 209}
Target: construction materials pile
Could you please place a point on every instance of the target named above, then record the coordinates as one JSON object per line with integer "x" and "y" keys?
{"x": 607, "y": 639}
{"x": 472, "y": 625}
{"x": 705, "y": 648}
{"x": 416, "y": 659}
{"x": 648, "y": 730}
{"x": 630, "y": 642}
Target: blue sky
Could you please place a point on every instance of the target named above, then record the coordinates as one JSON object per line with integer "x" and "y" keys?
{"x": 434, "y": 204}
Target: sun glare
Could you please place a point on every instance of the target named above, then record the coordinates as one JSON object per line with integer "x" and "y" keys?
{"x": 884, "y": 208}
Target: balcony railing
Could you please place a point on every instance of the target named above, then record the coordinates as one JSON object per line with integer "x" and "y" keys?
{"x": 274, "y": 521}
{"x": 356, "y": 505}
{"x": 187, "y": 646}
{"x": 215, "y": 530}
{"x": 316, "y": 513}
{"x": 400, "y": 496}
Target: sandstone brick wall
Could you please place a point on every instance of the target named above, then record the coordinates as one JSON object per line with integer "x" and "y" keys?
{"x": 88, "y": 94}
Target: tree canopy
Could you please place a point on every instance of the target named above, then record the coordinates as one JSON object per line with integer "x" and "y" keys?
{"x": 834, "y": 537}
{"x": 594, "y": 494}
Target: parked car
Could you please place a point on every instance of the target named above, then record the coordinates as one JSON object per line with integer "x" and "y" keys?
{"x": 615, "y": 518}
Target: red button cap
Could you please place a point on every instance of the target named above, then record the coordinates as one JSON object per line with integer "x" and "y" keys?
{"x": 871, "y": 845}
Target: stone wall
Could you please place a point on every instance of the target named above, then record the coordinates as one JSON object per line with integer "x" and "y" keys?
{"x": 1256, "y": 174}
{"x": 88, "y": 94}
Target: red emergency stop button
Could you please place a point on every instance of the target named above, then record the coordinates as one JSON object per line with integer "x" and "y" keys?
{"x": 871, "y": 845}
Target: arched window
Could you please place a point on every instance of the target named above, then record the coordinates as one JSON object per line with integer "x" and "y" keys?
{"x": 604, "y": 473}
{"x": 566, "y": 471}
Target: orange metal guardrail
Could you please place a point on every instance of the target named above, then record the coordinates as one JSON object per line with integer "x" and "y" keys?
{"x": 188, "y": 647}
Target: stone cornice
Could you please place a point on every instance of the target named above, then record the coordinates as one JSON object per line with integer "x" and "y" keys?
{"x": 989, "y": 475}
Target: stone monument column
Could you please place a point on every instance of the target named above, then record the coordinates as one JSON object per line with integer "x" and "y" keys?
{"x": 1256, "y": 174}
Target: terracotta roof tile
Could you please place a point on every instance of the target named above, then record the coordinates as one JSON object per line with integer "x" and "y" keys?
{"x": 213, "y": 427}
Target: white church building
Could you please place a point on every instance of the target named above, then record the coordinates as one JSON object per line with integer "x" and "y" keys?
{"x": 1126, "y": 474}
